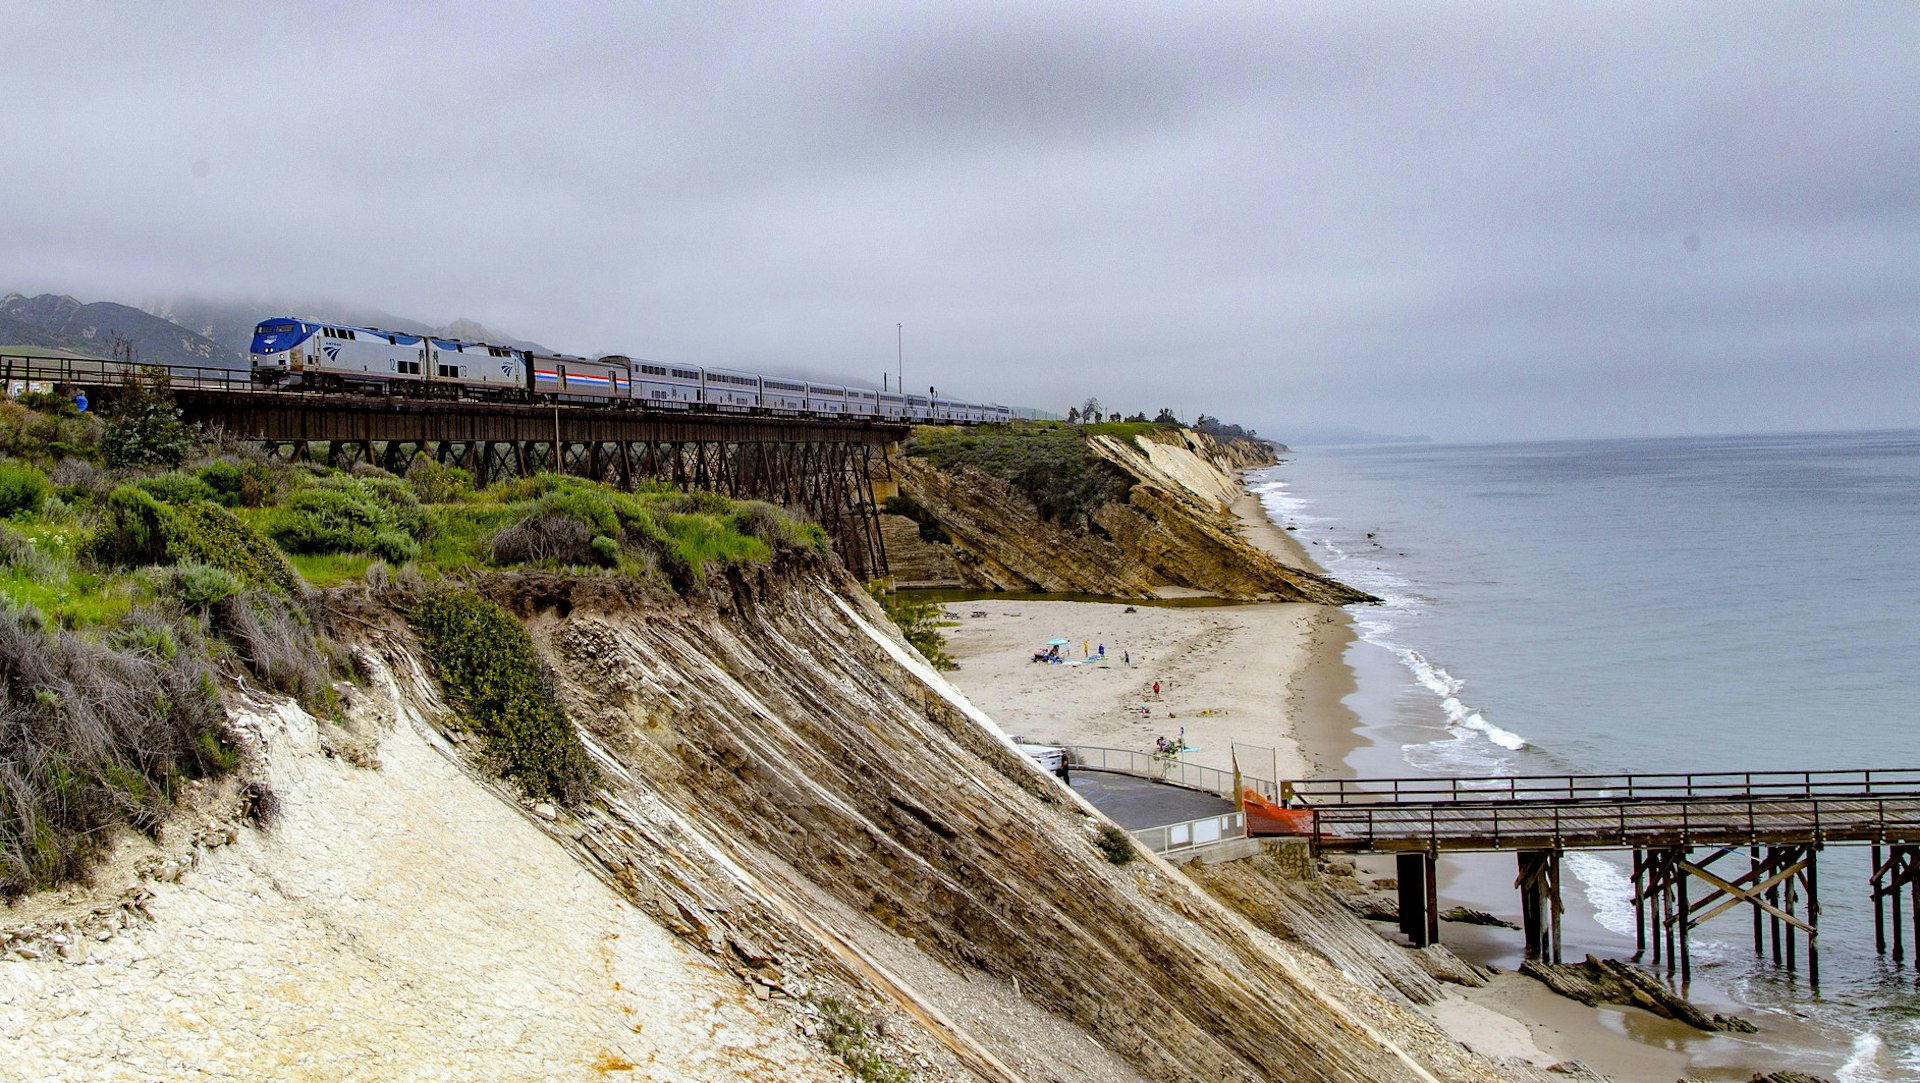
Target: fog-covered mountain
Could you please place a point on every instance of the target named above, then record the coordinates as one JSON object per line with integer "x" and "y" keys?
{"x": 55, "y": 320}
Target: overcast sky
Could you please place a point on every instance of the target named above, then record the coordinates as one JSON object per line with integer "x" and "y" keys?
{"x": 1475, "y": 221}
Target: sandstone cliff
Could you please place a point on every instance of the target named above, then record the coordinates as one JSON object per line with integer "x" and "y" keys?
{"x": 815, "y": 817}
{"x": 1174, "y": 528}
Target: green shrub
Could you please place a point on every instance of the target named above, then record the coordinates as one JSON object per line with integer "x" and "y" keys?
{"x": 50, "y": 402}
{"x": 606, "y": 549}
{"x": 137, "y": 529}
{"x": 22, "y": 489}
{"x": 232, "y": 484}
{"x": 1115, "y": 845}
{"x": 48, "y": 437}
{"x": 175, "y": 487}
{"x": 212, "y": 535}
{"x": 436, "y": 483}
{"x": 491, "y": 672}
{"x": 378, "y": 516}
{"x": 202, "y": 586}
{"x": 129, "y": 532}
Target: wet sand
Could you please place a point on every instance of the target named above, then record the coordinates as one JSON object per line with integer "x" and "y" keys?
{"x": 1269, "y": 682}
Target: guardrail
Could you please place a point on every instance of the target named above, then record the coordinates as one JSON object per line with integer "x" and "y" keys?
{"x": 1599, "y": 788}
{"x": 1190, "y": 834}
{"x": 1175, "y": 772}
{"x": 20, "y": 371}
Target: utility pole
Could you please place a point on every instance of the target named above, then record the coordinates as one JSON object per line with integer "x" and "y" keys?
{"x": 900, "y": 356}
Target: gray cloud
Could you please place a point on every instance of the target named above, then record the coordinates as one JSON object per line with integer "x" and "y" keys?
{"x": 1500, "y": 221}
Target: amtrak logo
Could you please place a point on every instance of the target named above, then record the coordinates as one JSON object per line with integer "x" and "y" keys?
{"x": 332, "y": 351}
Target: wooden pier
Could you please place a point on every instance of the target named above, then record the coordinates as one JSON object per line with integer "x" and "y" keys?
{"x": 1759, "y": 834}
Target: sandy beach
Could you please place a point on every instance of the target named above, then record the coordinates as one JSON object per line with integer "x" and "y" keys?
{"x": 1267, "y": 681}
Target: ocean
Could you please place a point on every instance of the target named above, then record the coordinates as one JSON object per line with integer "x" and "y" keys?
{"x": 1728, "y": 603}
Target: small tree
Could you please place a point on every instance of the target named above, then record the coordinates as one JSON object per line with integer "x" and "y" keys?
{"x": 1165, "y": 417}
{"x": 1073, "y": 415}
{"x": 143, "y": 423}
{"x": 920, "y": 623}
{"x": 1090, "y": 410}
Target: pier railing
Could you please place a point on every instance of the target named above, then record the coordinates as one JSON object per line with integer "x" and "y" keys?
{"x": 1618, "y": 823}
{"x": 1320, "y": 793}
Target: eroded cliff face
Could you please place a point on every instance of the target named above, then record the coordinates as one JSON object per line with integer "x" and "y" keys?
{"x": 1175, "y": 530}
{"x": 787, "y": 784}
{"x": 791, "y": 803}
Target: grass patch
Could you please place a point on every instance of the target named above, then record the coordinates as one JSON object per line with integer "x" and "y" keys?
{"x": 1128, "y": 430}
{"x": 490, "y": 670}
{"x": 331, "y": 569}
{"x": 850, "y": 1037}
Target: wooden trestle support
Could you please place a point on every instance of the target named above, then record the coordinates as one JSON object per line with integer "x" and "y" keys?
{"x": 829, "y": 479}
{"x": 1780, "y": 883}
{"x": 1900, "y": 869}
{"x": 1418, "y": 889}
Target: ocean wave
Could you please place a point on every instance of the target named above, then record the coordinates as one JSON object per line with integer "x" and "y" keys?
{"x": 1376, "y": 624}
{"x": 1609, "y": 890}
{"x": 1865, "y": 1062}
{"x": 1459, "y": 715}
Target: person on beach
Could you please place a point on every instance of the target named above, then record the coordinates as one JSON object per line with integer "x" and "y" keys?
{"x": 1126, "y": 659}
{"x": 1103, "y": 650}
{"x": 1156, "y": 688}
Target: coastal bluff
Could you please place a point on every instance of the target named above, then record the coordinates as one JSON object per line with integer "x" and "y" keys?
{"x": 1143, "y": 512}
{"x": 805, "y": 856}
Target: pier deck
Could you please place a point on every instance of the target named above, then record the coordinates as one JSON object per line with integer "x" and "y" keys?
{"x": 1777, "y": 821}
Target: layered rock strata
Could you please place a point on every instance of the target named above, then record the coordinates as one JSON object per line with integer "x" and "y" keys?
{"x": 1175, "y": 531}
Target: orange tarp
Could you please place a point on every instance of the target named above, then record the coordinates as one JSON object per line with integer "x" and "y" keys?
{"x": 1266, "y": 818}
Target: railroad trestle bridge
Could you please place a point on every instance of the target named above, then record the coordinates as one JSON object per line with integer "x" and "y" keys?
{"x": 1758, "y": 836}
{"x": 826, "y": 467}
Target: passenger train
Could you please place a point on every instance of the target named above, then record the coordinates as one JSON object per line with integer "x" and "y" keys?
{"x": 292, "y": 352}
